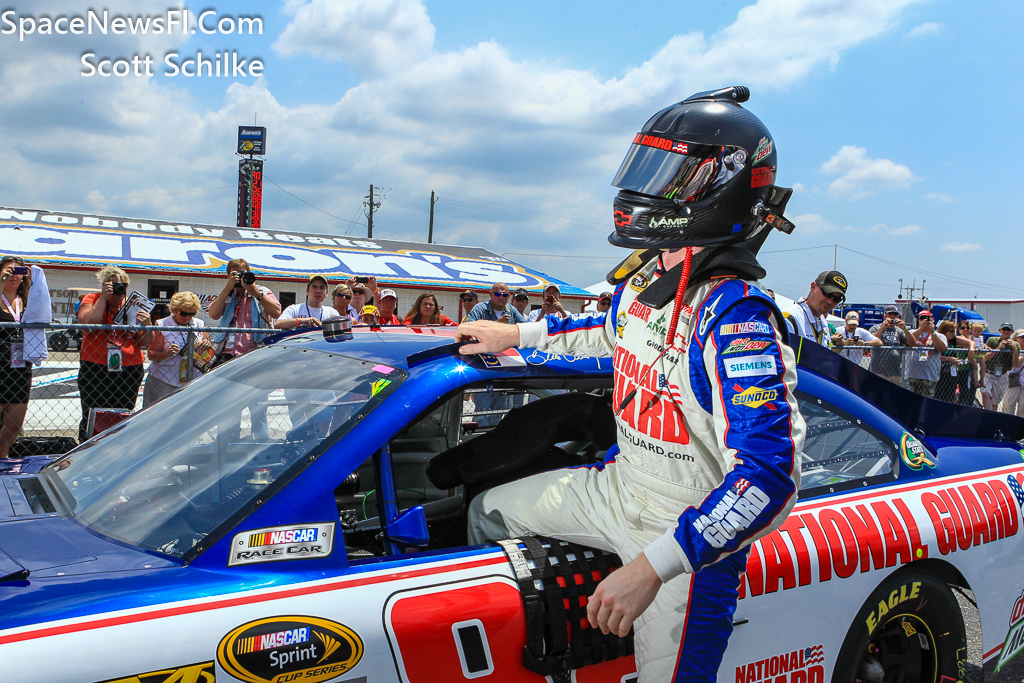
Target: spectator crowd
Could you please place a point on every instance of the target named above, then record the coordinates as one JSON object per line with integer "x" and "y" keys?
{"x": 112, "y": 363}
{"x": 949, "y": 360}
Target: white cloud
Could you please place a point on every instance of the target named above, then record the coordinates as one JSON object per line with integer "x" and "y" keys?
{"x": 961, "y": 246}
{"x": 929, "y": 28}
{"x": 860, "y": 175}
{"x": 473, "y": 121}
{"x": 371, "y": 38}
{"x": 815, "y": 224}
{"x": 906, "y": 230}
{"x": 940, "y": 198}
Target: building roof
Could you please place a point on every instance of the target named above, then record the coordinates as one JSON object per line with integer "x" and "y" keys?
{"x": 64, "y": 238}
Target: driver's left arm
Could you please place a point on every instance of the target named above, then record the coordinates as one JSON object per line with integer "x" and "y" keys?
{"x": 759, "y": 432}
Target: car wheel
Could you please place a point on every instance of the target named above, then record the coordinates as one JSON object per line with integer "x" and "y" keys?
{"x": 59, "y": 342}
{"x": 910, "y": 630}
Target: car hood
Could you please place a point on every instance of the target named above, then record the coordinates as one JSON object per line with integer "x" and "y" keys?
{"x": 36, "y": 543}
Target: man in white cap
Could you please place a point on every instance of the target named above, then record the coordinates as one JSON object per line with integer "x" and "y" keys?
{"x": 856, "y": 337}
{"x": 387, "y": 305}
{"x": 552, "y": 305}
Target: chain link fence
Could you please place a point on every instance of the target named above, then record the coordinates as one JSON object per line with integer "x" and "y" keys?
{"x": 982, "y": 378}
{"x": 70, "y": 398}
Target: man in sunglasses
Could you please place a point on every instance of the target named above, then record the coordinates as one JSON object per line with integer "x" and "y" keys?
{"x": 806, "y": 317}
{"x": 496, "y": 307}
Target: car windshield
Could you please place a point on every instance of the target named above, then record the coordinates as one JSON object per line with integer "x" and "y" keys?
{"x": 172, "y": 473}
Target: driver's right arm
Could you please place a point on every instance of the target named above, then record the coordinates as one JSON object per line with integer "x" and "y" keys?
{"x": 588, "y": 335}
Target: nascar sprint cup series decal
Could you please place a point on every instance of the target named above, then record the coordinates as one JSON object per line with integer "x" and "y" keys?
{"x": 289, "y": 648}
{"x": 291, "y": 542}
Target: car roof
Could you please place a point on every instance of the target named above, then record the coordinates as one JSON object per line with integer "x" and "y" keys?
{"x": 395, "y": 345}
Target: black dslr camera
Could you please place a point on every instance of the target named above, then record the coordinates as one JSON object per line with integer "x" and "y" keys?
{"x": 119, "y": 288}
{"x": 248, "y": 277}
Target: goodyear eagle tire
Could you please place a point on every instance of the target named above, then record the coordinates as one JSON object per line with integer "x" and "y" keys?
{"x": 910, "y": 630}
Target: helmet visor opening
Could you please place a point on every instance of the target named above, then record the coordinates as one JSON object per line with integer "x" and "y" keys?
{"x": 685, "y": 172}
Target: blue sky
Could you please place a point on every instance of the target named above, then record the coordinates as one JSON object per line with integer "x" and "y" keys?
{"x": 896, "y": 121}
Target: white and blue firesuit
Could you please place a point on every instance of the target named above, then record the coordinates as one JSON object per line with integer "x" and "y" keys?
{"x": 708, "y": 461}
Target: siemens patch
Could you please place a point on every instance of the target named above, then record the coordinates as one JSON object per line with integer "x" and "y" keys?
{"x": 748, "y": 366}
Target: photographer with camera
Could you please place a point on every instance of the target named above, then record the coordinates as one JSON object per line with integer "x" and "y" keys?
{"x": 364, "y": 290}
{"x": 892, "y": 331}
{"x": 242, "y": 303}
{"x": 552, "y": 305}
{"x": 15, "y": 373}
{"x": 312, "y": 313}
{"x": 999, "y": 362}
{"x": 110, "y": 368}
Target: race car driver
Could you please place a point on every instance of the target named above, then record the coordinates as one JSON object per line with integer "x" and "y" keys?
{"x": 710, "y": 432}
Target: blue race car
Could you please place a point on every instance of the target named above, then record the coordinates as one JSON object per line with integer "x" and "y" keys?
{"x": 299, "y": 515}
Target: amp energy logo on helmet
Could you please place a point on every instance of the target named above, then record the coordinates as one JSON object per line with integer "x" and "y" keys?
{"x": 666, "y": 222}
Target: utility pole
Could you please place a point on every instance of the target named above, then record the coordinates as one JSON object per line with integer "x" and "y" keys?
{"x": 835, "y": 256}
{"x": 430, "y": 231}
{"x": 369, "y": 223}
{"x": 371, "y": 205}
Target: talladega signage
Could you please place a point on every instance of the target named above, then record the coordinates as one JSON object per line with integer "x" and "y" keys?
{"x": 82, "y": 239}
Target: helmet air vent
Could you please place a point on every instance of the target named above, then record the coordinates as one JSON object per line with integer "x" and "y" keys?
{"x": 734, "y": 93}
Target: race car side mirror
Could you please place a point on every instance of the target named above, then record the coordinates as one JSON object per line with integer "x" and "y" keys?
{"x": 410, "y": 528}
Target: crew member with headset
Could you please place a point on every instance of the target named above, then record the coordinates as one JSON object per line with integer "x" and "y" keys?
{"x": 806, "y": 317}
{"x": 704, "y": 391}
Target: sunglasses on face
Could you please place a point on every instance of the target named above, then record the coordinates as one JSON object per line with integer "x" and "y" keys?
{"x": 344, "y": 296}
{"x": 502, "y": 295}
{"x": 835, "y": 298}
{"x": 926, "y": 317}
{"x": 187, "y": 314}
{"x": 466, "y": 300}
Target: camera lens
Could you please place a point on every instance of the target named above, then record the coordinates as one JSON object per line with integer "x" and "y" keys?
{"x": 119, "y": 288}
{"x": 249, "y": 277}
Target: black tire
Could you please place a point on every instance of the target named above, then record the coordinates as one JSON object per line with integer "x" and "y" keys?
{"x": 919, "y": 639}
{"x": 59, "y": 342}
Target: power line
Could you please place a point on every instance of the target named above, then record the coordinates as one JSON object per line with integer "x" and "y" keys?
{"x": 520, "y": 212}
{"x": 308, "y": 204}
{"x": 933, "y": 273}
{"x": 566, "y": 222}
{"x": 516, "y": 253}
{"x": 169, "y": 194}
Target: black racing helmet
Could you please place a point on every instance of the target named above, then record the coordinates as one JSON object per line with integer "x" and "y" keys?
{"x": 700, "y": 172}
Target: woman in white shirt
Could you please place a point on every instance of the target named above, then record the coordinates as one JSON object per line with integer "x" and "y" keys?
{"x": 167, "y": 364}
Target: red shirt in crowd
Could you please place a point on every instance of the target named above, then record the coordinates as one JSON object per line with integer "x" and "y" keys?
{"x": 445, "y": 320}
{"x": 94, "y": 342}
